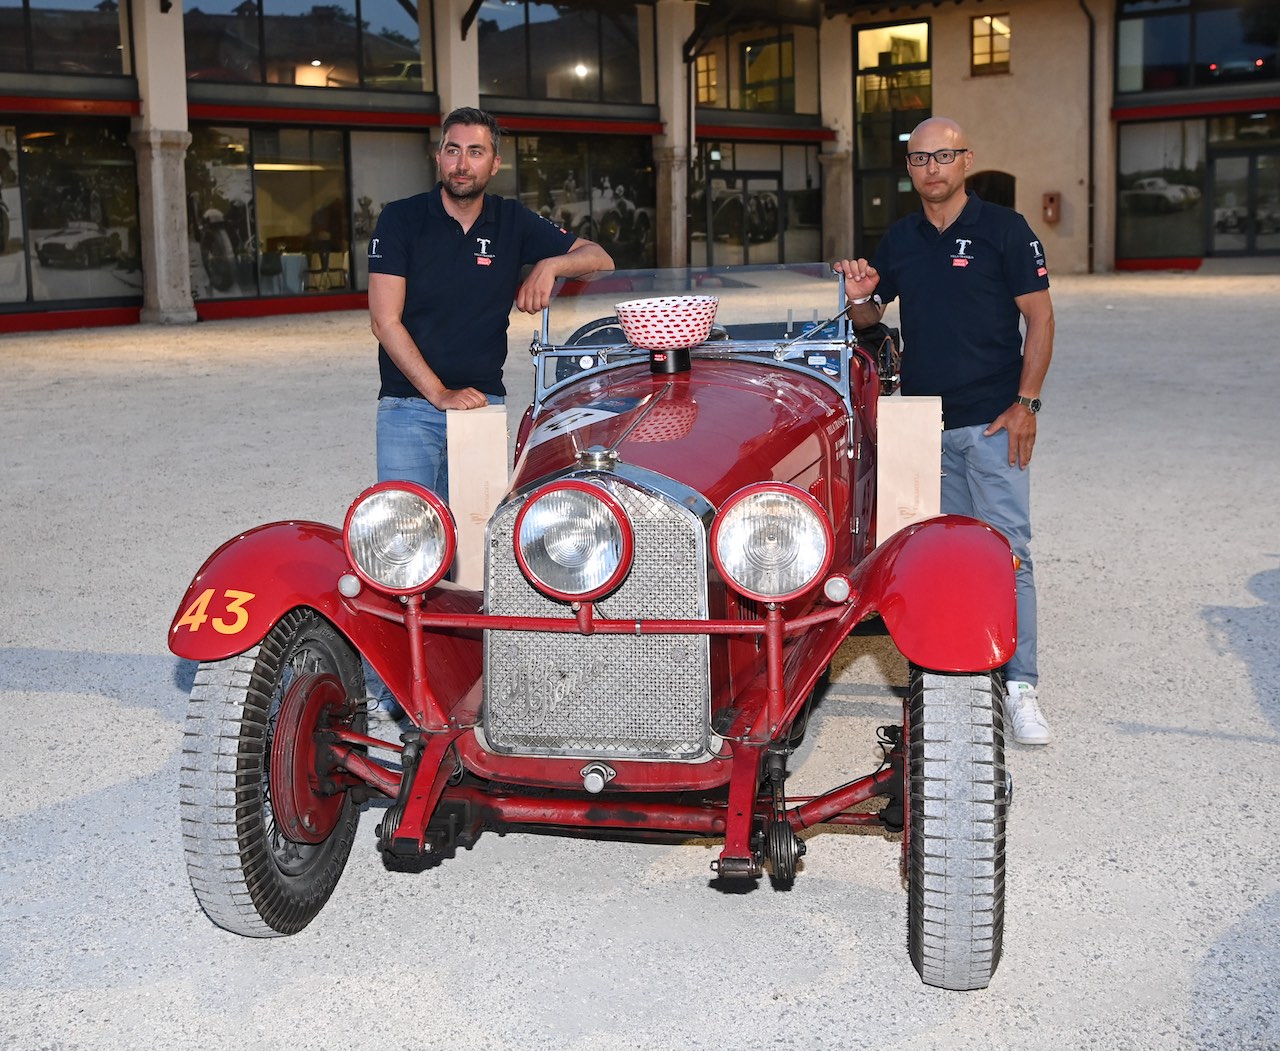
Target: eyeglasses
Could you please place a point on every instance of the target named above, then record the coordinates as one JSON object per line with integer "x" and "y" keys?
{"x": 920, "y": 159}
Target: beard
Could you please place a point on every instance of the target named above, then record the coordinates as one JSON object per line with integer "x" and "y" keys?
{"x": 466, "y": 189}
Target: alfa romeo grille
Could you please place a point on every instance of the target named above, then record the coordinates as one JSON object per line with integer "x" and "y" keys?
{"x": 621, "y": 696}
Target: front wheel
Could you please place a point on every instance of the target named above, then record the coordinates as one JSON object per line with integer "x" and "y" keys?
{"x": 265, "y": 852}
{"x": 959, "y": 796}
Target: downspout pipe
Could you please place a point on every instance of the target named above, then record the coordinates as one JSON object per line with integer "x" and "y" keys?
{"x": 1092, "y": 121}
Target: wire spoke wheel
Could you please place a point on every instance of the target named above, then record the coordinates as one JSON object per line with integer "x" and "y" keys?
{"x": 958, "y": 791}
{"x": 263, "y": 866}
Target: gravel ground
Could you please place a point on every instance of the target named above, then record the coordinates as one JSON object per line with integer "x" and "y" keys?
{"x": 1143, "y": 880}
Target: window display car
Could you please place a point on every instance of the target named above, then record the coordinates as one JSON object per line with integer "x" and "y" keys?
{"x": 79, "y": 244}
{"x": 1157, "y": 196}
{"x": 688, "y": 539}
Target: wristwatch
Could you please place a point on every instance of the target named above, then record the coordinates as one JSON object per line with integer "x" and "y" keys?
{"x": 1033, "y": 404}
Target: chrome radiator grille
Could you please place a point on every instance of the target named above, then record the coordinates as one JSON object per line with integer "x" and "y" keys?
{"x": 621, "y": 696}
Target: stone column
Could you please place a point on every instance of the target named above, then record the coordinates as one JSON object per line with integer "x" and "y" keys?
{"x": 838, "y": 75}
{"x": 457, "y": 60}
{"x": 160, "y": 139}
{"x": 674, "y": 23}
{"x": 166, "y": 262}
{"x": 672, "y": 165}
{"x": 837, "y": 206}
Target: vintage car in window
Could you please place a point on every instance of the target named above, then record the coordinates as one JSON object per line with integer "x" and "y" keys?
{"x": 688, "y": 538}
{"x": 79, "y": 244}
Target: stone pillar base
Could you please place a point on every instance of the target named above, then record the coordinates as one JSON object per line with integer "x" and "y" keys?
{"x": 162, "y": 192}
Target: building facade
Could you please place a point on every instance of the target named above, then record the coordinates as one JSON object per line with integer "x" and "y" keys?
{"x": 169, "y": 160}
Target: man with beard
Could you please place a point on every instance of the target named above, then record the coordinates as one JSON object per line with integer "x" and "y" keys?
{"x": 444, "y": 267}
{"x": 968, "y": 274}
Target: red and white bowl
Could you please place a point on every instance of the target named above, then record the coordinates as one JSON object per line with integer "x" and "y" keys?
{"x": 667, "y": 323}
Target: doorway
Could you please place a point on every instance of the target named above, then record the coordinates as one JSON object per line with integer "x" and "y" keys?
{"x": 1245, "y": 194}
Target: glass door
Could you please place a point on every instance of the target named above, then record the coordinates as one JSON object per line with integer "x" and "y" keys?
{"x": 1246, "y": 204}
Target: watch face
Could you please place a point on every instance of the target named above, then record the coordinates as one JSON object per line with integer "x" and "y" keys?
{"x": 1035, "y": 405}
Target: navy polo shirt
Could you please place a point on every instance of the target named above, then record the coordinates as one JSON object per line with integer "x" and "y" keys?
{"x": 960, "y": 324}
{"x": 459, "y": 287}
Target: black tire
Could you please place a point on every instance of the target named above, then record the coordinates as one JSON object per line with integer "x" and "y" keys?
{"x": 248, "y": 876}
{"x": 219, "y": 259}
{"x": 958, "y": 791}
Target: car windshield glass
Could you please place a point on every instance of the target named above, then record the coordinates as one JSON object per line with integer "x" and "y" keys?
{"x": 798, "y": 293}
{"x": 773, "y": 311}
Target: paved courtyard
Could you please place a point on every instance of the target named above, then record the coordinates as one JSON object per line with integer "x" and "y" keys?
{"x": 1143, "y": 873}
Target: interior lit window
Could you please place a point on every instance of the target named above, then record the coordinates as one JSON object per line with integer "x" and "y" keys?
{"x": 989, "y": 41}
{"x": 708, "y": 79}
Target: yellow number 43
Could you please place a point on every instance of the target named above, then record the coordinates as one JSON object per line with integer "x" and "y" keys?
{"x": 236, "y": 615}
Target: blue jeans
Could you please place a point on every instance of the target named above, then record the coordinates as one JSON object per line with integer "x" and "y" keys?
{"x": 411, "y": 443}
{"x": 978, "y": 481}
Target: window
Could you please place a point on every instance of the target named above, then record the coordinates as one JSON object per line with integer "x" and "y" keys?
{"x": 708, "y": 80}
{"x": 71, "y": 188}
{"x": 62, "y": 36}
{"x": 894, "y": 94}
{"x": 989, "y": 45}
{"x": 771, "y": 71}
{"x": 754, "y": 203}
{"x": 1168, "y": 44}
{"x": 372, "y": 44}
{"x": 603, "y": 189}
{"x": 583, "y": 52}
{"x": 1161, "y": 180}
{"x": 267, "y": 211}
{"x": 769, "y": 76}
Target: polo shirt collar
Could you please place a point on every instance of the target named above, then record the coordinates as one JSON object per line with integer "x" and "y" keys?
{"x": 968, "y": 216}
{"x": 435, "y": 205}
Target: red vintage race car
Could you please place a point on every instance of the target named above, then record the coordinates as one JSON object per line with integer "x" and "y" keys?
{"x": 688, "y": 538}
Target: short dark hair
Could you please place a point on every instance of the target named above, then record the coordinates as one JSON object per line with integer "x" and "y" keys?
{"x": 471, "y": 117}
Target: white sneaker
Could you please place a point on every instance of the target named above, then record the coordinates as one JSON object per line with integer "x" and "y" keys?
{"x": 1022, "y": 709}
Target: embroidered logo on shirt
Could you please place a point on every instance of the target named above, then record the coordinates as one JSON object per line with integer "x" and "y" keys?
{"x": 962, "y": 246}
{"x": 373, "y": 249}
{"x": 1037, "y": 252}
{"x": 483, "y": 258}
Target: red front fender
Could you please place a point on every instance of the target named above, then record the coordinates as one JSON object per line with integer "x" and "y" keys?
{"x": 252, "y": 580}
{"x": 945, "y": 590}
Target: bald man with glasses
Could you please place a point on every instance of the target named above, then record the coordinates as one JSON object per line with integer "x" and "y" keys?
{"x": 970, "y": 275}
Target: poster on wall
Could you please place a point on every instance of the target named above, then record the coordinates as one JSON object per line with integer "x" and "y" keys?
{"x": 80, "y": 211}
{"x": 221, "y": 242}
{"x": 13, "y": 262}
{"x": 1161, "y": 198}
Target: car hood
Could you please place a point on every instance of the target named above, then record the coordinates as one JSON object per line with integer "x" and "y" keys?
{"x": 716, "y": 428}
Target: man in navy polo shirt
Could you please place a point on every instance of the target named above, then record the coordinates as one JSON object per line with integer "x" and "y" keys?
{"x": 444, "y": 267}
{"x": 967, "y": 273}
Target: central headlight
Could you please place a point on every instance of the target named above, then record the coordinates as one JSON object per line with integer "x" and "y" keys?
{"x": 399, "y": 537}
{"x": 771, "y": 542}
{"x": 573, "y": 541}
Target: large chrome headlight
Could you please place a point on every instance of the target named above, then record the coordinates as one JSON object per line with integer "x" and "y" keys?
{"x": 399, "y": 537}
{"x": 573, "y": 541}
{"x": 771, "y": 542}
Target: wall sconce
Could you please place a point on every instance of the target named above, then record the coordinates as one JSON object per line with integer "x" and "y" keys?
{"x": 166, "y": 6}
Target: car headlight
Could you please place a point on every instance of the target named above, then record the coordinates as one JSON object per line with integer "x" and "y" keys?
{"x": 771, "y": 542}
{"x": 399, "y": 537}
{"x": 573, "y": 541}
